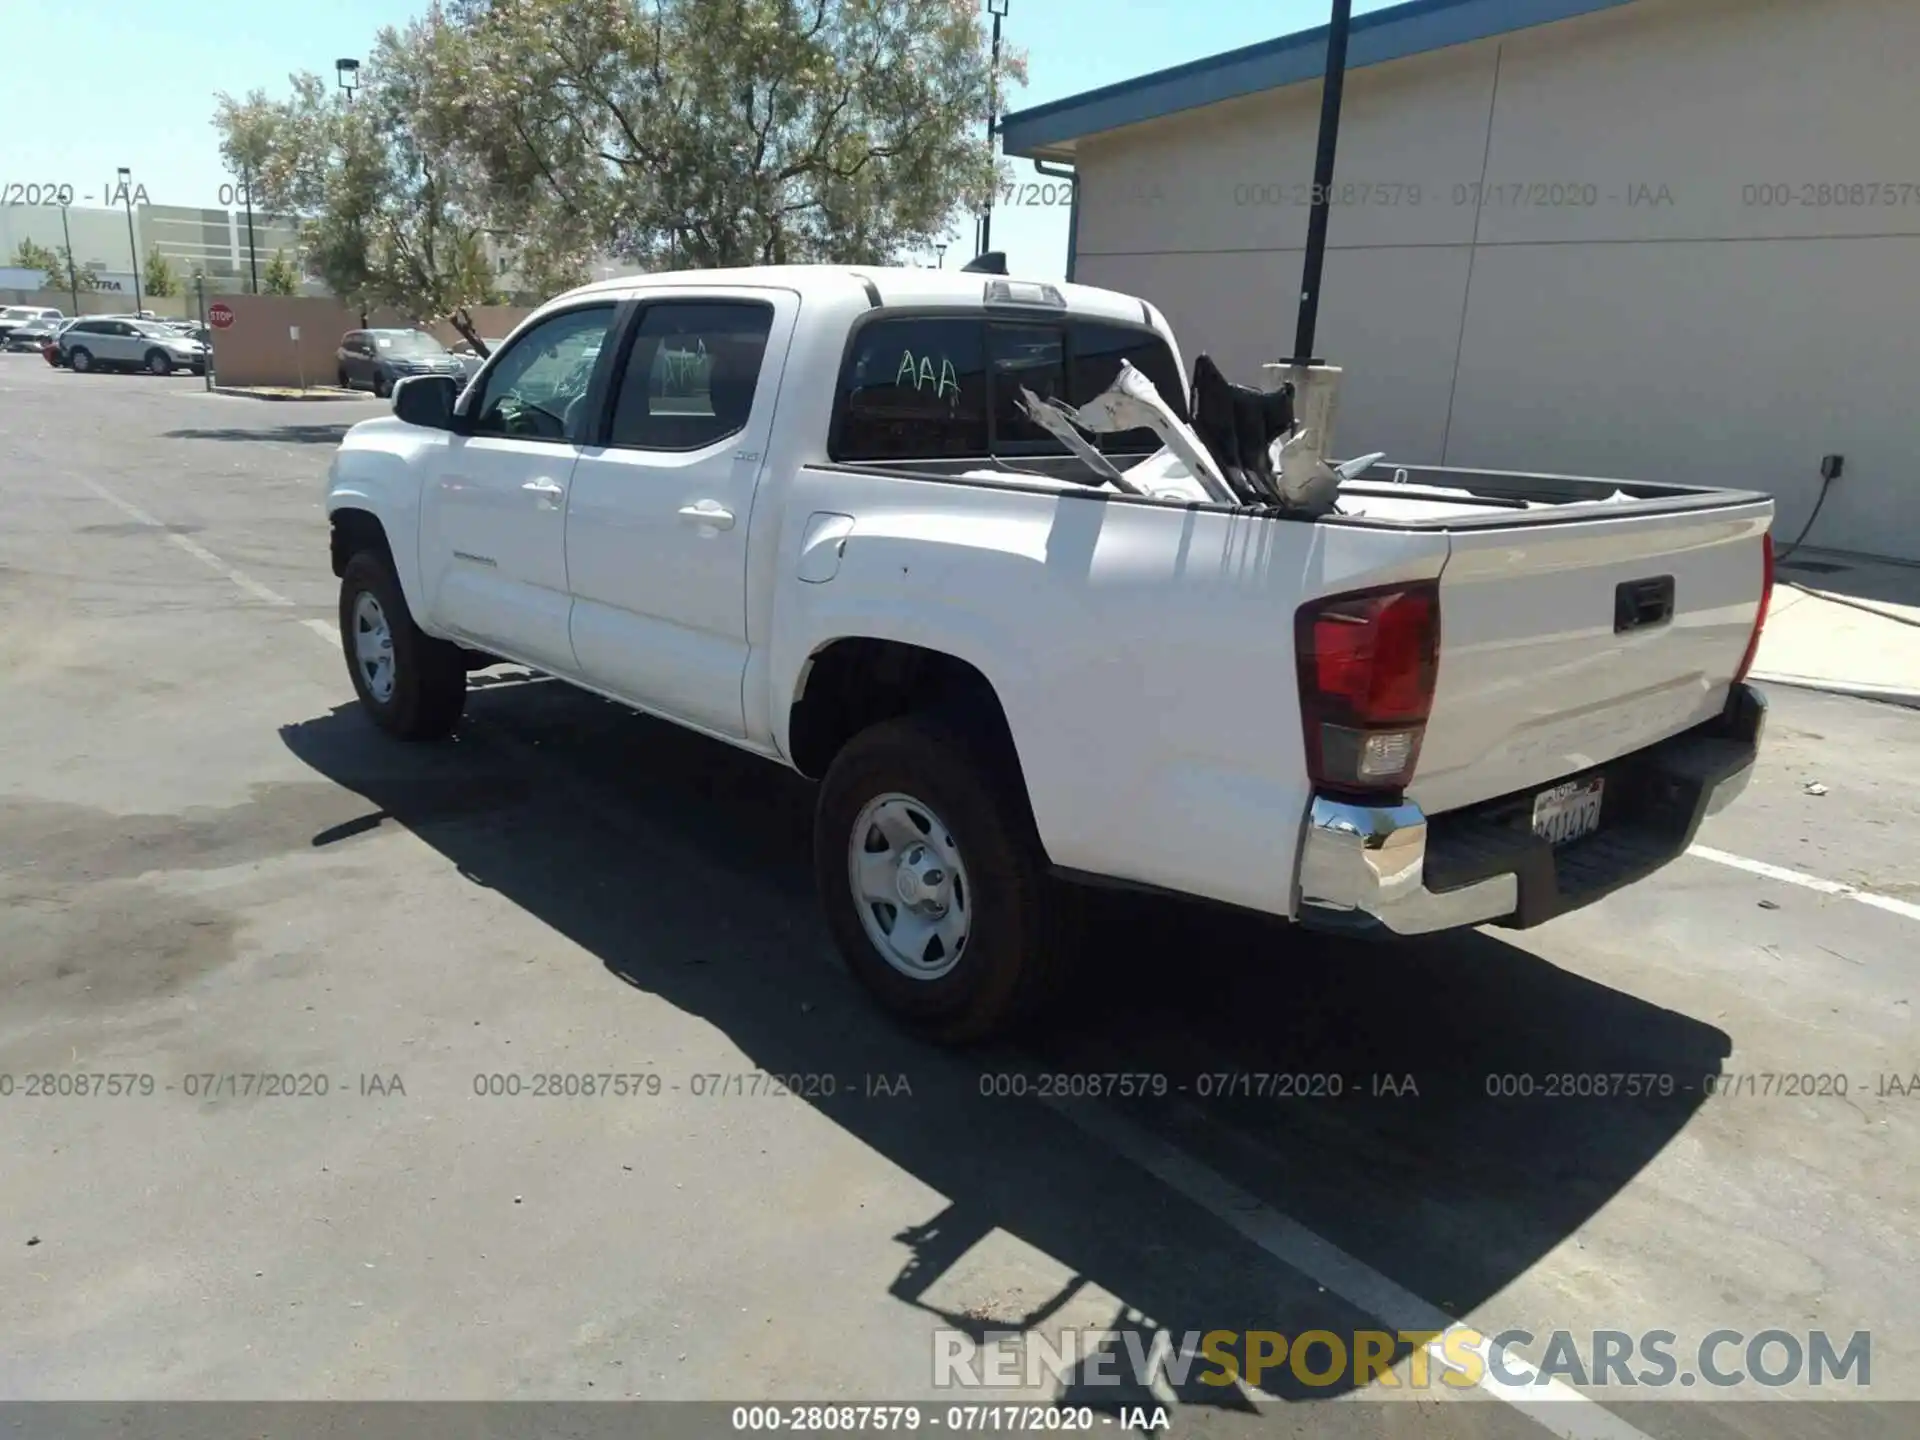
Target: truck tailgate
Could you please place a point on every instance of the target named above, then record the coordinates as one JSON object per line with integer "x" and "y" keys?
{"x": 1554, "y": 655}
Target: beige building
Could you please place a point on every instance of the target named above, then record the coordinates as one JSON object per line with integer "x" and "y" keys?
{"x": 1658, "y": 238}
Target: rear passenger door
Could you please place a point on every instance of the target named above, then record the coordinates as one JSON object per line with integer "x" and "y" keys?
{"x": 657, "y": 520}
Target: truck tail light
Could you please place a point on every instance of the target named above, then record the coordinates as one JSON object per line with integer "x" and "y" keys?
{"x": 1766, "y": 599}
{"x": 1368, "y": 662}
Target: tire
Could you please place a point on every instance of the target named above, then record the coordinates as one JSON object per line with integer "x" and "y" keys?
{"x": 425, "y": 681}
{"x": 159, "y": 363}
{"x": 80, "y": 358}
{"x": 1011, "y": 958}
{"x": 382, "y": 386}
{"x": 345, "y": 383}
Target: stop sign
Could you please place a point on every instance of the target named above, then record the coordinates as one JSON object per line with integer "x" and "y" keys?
{"x": 220, "y": 315}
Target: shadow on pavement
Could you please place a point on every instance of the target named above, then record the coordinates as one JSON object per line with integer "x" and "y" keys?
{"x": 1845, "y": 577}
{"x": 683, "y": 867}
{"x": 331, "y": 434}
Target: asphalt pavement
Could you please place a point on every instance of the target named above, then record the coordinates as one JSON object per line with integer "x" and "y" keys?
{"x": 330, "y": 973}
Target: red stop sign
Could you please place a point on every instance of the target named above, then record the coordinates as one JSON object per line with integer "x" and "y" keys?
{"x": 220, "y": 315}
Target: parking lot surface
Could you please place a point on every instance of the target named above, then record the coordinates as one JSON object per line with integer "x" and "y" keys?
{"x": 212, "y": 868}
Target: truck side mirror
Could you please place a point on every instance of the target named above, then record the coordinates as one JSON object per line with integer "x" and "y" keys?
{"x": 426, "y": 400}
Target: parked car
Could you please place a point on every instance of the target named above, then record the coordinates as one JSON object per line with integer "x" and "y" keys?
{"x": 1472, "y": 698}
{"x": 110, "y": 343}
{"x": 376, "y": 359}
{"x": 34, "y": 334}
{"x": 14, "y": 317}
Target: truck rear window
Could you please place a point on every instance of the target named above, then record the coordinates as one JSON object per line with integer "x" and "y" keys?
{"x": 946, "y": 386}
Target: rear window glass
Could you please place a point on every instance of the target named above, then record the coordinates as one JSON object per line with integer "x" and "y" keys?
{"x": 914, "y": 387}
{"x": 939, "y": 387}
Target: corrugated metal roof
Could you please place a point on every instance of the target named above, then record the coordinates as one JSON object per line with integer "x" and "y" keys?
{"x": 1380, "y": 36}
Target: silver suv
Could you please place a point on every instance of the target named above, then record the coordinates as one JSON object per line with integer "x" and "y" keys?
{"x": 112, "y": 343}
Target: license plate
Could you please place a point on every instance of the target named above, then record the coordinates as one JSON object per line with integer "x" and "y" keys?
{"x": 1567, "y": 812}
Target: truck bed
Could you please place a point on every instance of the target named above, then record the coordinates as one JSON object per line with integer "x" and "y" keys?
{"x": 1391, "y": 495}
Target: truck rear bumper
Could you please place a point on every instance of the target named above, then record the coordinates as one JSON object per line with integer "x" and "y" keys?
{"x": 1391, "y": 869}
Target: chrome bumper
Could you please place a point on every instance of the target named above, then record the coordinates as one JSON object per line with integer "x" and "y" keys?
{"x": 1363, "y": 867}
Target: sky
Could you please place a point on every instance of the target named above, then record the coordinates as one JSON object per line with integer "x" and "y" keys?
{"x": 152, "y": 71}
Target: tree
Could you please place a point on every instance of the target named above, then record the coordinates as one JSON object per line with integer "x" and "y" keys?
{"x": 61, "y": 272}
{"x": 159, "y": 277}
{"x": 78, "y": 276}
{"x": 720, "y": 132}
{"x": 389, "y": 215}
{"x": 281, "y": 277}
{"x": 30, "y": 256}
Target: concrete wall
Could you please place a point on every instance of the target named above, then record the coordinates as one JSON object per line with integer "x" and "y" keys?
{"x": 258, "y": 349}
{"x": 1551, "y": 254}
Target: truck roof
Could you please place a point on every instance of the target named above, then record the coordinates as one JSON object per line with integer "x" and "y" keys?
{"x": 895, "y": 285}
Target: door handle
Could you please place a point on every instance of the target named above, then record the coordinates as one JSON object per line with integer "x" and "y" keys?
{"x": 708, "y": 512}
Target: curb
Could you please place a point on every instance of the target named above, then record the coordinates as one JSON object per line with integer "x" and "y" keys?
{"x": 315, "y": 397}
{"x": 1885, "y": 694}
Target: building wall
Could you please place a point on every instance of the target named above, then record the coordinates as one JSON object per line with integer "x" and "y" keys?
{"x": 1547, "y": 250}
{"x": 211, "y": 240}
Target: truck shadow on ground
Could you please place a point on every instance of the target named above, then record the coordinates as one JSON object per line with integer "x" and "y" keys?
{"x": 683, "y": 867}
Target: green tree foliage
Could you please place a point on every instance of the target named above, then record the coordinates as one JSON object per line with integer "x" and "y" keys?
{"x": 30, "y": 256}
{"x": 158, "y": 277}
{"x": 724, "y": 132}
{"x": 390, "y": 217}
{"x": 280, "y": 277}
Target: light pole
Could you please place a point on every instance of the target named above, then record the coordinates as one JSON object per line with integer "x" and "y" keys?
{"x": 940, "y": 252}
{"x": 73, "y": 275}
{"x": 246, "y": 194}
{"x": 347, "y": 74}
{"x": 133, "y": 245}
{"x": 997, "y": 9}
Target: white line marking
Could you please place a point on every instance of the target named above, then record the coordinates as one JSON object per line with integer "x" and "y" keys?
{"x": 199, "y": 552}
{"x": 1561, "y": 1409}
{"x": 1809, "y": 882}
{"x": 325, "y": 631}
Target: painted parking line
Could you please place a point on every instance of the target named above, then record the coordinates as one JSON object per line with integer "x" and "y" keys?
{"x": 1807, "y": 882}
{"x": 1559, "y": 1408}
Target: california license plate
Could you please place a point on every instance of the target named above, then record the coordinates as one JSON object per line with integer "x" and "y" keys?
{"x": 1567, "y": 812}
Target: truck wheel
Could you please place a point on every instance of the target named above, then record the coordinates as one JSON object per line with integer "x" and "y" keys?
{"x": 934, "y": 882}
{"x": 413, "y": 685}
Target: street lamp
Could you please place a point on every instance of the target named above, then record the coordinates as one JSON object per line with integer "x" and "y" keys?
{"x": 940, "y": 251}
{"x": 73, "y": 275}
{"x": 347, "y": 74}
{"x": 246, "y": 195}
{"x": 133, "y": 245}
{"x": 997, "y": 9}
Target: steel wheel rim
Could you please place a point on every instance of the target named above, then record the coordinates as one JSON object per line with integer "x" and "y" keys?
{"x": 158, "y": 365}
{"x": 910, "y": 886}
{"x": 373, "y": 646}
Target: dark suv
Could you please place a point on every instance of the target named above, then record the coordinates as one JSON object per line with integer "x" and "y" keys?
{"x": 376, "y": 359}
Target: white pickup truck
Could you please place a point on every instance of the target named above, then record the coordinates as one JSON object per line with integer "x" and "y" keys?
{"x": 801, "y": 510}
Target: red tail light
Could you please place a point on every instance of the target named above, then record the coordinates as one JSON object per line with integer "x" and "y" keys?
{"x": 1766, "y": 599}
{"x": 1368, "y": 662}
